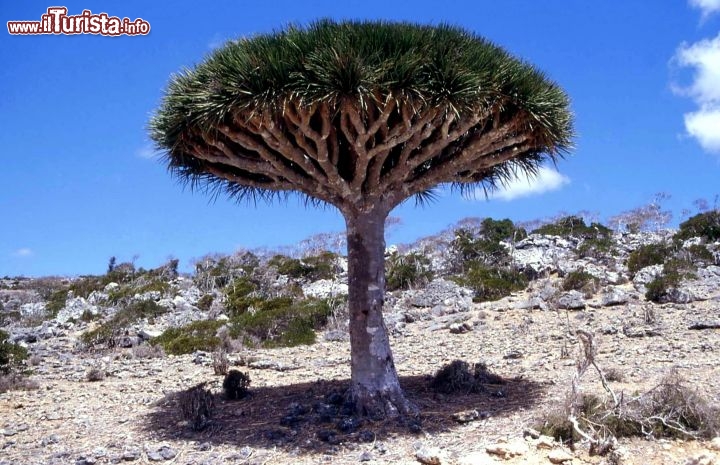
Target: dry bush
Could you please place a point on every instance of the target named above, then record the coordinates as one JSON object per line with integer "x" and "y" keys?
{"x": 670, "y": 409}
{"x": 17, "y": 382}
{"x": 144, "y": 351}
{"x": 196, "y": 406}
{"x": 456, "y": 377}
{"x": 236, "y": 385}
{"x": 220, "y": 362}
{"x": 95, "y": 374}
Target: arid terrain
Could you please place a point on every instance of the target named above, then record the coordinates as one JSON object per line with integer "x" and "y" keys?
{"x": 69, "y": 418}
{"x": 130, "y": 414}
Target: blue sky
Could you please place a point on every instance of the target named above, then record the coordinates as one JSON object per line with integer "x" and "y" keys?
{"x": 79, "y": 182}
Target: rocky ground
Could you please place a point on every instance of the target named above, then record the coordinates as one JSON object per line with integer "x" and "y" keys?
{"x": 130, "y": 416}
{"x": 291, "y": 416}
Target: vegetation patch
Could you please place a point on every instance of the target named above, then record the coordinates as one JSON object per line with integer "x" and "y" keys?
{"x": 311, "y": 268}
{"x": 486, "y": 246}
{"x": 236, "y": 385}
{"x": 198, "y": 335}
{"x": 457, "y": 377}
{"x": 106, "y": 333}
{"x": 580, "y": 280}
{"x": 12, "y": 355}
{"x": 56, "y": 302}
{"x": 406, "y": 271}
{"x": 491, "y": 283}
{"x": 282, "y": 322}
{"x": 705, "y": 225}
{"x": 648, "y": 255}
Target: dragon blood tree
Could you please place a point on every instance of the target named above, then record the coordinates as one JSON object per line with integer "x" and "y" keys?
{"x": 362, "y": 116}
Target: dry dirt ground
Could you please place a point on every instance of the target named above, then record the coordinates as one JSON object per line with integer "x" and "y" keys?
{"x": 130, "y": 417}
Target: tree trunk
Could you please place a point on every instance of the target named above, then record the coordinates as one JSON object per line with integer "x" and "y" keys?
{"x": 375, "y": 388}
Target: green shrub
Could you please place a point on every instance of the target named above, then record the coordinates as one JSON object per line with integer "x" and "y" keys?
{"x": 239, "y": 296}
{"x": 125, "y": 292}
{"x": 648, "y": 255}
{"x": 597, "y": 247}
{"x": 574, "y": 226}
{"x": 312, "y": 268}
{"x": 106, "y": 333}
{"x": 86, "y": 285}
{"x": 579, "y": 280}
{"x": 56, "y": 302}
{"x": 405, "y": 271}
{"x": 282, "y": 322}
{"x": 705, "y": 225}
{"x": 491, "y": 283}
{"x": 198, "y": 335}
{"x": 205, "y": 302}
{"x": 11, "y": 354}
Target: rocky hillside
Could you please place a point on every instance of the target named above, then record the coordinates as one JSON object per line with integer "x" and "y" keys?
{"x": 489, "y": 292}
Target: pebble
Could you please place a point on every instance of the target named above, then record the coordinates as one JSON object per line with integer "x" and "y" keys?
{"x": 559, "y": 456}
{"x": 507, "y": 450}
{"x": 715, "y": 444}
{"x": 428, "y": 455}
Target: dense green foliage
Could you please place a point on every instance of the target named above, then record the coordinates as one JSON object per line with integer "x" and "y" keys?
{"x": 311, "y": 268}
{"x": 648, "y": 255}
{"x": 491, "y": 283}
{"x": 11, "y": 354}
{"x": 198, "y": 335}
{"x": 406, "y": 271}
{"x": 705, "y": 225}
{"x": 485, "y": 246}
{"x": 579, "y": 280}
{"x": 596, "y": 239}
{"x": 281, "y": 322}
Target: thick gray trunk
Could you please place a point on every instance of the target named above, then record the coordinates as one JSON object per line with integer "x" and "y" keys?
{"x": 375, "y": 387}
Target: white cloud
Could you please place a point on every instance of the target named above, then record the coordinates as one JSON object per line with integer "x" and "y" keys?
{"x": 546, "y": 180}
{"x": 704, "y": 58}
{"x": 704, "y": 125}
{"x": 24, "y": 252}
{"x": 708, "y": 7}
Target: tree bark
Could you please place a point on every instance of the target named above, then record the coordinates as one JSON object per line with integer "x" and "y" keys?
{"x": 375, "y": 388}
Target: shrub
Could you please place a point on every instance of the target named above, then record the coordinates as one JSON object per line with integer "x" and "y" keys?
{"x": 56, "y": 302}
{"x": 282, "y": 322}
{"x": 238, "y": 296}
{"x": 196, "y": 406}
{"x": 574, "y": 226}
{"x": 485, "y": 247}
{"x": 491, "y": 283}
{"x": 312, "y": 268}
{"x": 11, "y": 355}
{"x": 198, "y": 335}
{"x": 456, "y": 377}
{"x": 597, "y": 247}
{"x": 671, "y": 409}
{"x": 705, "y": 225}
{"x": 106, "y": 333}
{"x": 16, "y": 382}
{"x": 220, "y": 362}
{"x": 579, "y": 280}
{"x": 95, "y": 374}
{"x": 205, "y": 302}
{"x": 648, "y": 255}
{"x": 405, "y": 271}
{"x": 126, "y": 292}
{"x": 236, "y": 385}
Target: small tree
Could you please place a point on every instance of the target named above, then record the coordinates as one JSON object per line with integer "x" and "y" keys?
{"x": 361, "y": 116}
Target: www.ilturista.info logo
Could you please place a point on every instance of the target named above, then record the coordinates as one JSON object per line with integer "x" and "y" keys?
{"x": 57, "y": 21}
